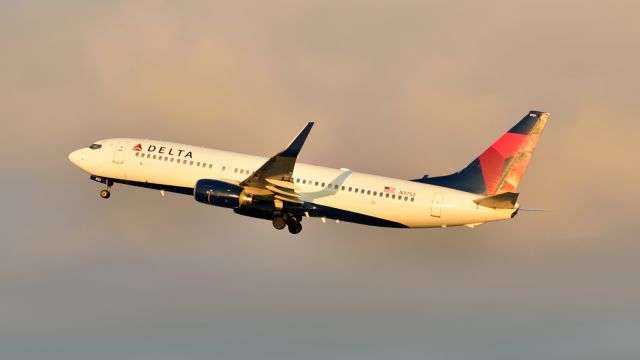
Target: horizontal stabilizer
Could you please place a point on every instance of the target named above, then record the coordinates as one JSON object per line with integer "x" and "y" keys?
{"x": 501, "y": 201}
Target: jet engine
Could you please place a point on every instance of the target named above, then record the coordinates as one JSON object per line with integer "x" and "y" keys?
{"x": 220, "y": 193}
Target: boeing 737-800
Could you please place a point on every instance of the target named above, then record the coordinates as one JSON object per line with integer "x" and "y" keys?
{"x": 283, "y": 191}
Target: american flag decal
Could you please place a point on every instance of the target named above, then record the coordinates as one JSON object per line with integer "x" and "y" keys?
{"x": 389, "y": 189}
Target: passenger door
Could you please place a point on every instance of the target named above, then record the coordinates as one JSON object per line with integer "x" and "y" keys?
{"x": 118, "y": 157}
{"x": 436, "y": 205}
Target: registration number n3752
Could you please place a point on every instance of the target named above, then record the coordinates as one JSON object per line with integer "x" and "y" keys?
{"x": 406, "y": 193}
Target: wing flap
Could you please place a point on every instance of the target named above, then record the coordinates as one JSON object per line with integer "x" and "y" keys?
{"x": 282, "y": 184}
{"x": 280, "y": 191}
{"x": 287, "y": 199}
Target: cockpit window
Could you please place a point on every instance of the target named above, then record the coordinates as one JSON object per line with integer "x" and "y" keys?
{"x": 95, "y": 146}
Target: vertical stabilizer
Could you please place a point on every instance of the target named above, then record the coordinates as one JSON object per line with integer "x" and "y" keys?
{"x": 500, "y": 168}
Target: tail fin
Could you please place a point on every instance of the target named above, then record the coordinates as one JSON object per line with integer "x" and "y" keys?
{"x": 499, "y": 168}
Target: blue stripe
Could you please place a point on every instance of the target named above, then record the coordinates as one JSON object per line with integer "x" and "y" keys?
{"x": 266, "y": 212}
{"x": 316, "y": 210}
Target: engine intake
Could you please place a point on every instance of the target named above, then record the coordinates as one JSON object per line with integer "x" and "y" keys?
{"x": 220, "y": 193}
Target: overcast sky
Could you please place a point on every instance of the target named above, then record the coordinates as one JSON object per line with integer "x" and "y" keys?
{"x": 396, "y": 88}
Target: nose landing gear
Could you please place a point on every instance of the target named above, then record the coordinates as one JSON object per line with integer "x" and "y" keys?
{"x": 106, "y": 193}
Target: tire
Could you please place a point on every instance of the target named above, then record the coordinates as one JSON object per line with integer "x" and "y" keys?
{"x": 279, "y": 222}
{"x": 105, "y": 194}
{"x": 295, "y": 227}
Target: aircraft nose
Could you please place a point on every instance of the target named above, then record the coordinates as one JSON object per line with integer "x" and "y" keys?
{"x": 76, "y": 156}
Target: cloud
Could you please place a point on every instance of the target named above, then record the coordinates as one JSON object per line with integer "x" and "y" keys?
{"x": 398, "y": 89}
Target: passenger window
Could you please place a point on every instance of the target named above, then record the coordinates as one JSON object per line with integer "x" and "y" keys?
{"x": 171, "y": 159}
{"x": 335, "y": 187}
{"x": 148, "y": 156}
{"x": 191, "y": 163}
{"x": 235, "y": 170}
{"x": 322, "y": 185}
{"x": 342, "y": 187}
{"x": 210, "y": 166}
{"x": 361, "y": 191}
{"x": 356, "y": 190}
{"x": 406, "y": 198}
{"x": 412, "y": 199}
{"x": 137, "y": 154}
{"x": 316, "y": 183}
{"x": 375, "y": 193}
{"x": 387, "y": 195}
{"x": 393, "y": 196}
{"x": 184, "y": 161}
{"x": 198, "y": 164}
{"x": 368, "y": 192}
{"x": 224, "y": 168}
{"x": 350, "y": 188}
{"x": 154, "y": 157}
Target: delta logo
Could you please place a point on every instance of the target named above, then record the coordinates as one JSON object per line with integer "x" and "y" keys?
{"x": 165, "y": 151}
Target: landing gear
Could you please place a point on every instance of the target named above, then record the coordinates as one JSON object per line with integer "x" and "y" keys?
{"x": 279, "y": 222}
{"x": 294, "y": 227}
{"x": 286, "y": 220}
{"x": 293, "y": 224}
{"x": 106, "y": 193}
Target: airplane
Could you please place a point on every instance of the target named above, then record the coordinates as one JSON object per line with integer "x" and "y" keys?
{"x": 283, "y": 191}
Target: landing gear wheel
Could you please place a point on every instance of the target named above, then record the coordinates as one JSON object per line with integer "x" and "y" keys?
{"x": 295, "y": 227}
{"x": 105, "y": 194}
{"x": 279, "y": 222}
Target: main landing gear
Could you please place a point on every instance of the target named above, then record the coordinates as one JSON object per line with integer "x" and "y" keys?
{"x": 293, "y": 223}
{"x": 106, "y": 193}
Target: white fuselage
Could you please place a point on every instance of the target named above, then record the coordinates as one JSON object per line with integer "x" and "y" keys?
{"x": 411, "y": 204}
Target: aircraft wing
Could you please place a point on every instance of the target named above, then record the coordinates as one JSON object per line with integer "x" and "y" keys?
{"x": 274, "y": 177}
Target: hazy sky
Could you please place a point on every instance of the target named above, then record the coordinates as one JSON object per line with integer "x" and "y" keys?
{"x": 397, "y": 88}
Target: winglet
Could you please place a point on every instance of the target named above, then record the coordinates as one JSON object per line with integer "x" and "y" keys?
{"x": 296, "y": 145}
{"x": 278, "y": 170}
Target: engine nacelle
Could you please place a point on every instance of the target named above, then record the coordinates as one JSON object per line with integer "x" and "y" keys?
{"x": 220, "y": 193}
